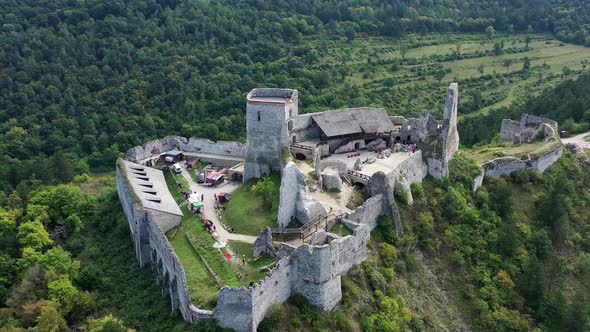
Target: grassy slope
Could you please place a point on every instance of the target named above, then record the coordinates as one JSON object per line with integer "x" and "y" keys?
{"x": 245, "y": 212}
{"x": 200, "y": 282}
{"x": 413, "y": 92}
{"x": 124, "y": 289}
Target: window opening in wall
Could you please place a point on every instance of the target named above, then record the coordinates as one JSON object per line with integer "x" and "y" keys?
{"x": 138, "y": 169}
{"x": 140, "y": 173}
{"x": 294, "y": 139}
{"x": 290, "y": 125}
{"x": 155, "y": 200}
{"x": 150, "y": 192}
{"x": 147, "y": 185}
{"x": 142, "y": 178}
{"x": 258, "y": 113}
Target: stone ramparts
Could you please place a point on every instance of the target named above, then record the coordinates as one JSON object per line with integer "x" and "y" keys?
{"x": 152, "y": 248}
{"x": 507, "y": 165}
{"x": 140, "y": 154}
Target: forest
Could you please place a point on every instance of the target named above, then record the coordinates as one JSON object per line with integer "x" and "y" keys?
{"x": 83, "y": 81}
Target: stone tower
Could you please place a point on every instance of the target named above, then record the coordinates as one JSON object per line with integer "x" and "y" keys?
{"x": 267, "y": 119}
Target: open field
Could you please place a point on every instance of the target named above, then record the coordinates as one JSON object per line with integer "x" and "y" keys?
{"x": 374, "y": 68}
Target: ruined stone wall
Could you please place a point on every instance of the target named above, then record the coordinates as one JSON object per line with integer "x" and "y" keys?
{"x": 478, "y": 181}
{"x": 333, "y": 163}
{"x": 412, "y": 170}
{"x": 294, "y": 201}
{"x": 368, "y": 212}
{"x": 303, "y": 128}
{"x": 313, "y": 271}
{"x": 152, "y": 248}
{"x": 529, "y": 128}
{"x": 448, "y": 140}
{"x": 419, "y": 130}
{"x": 509, "y": 130}
{"x": 507, "y": 165}
{"x": 151, "y": 149}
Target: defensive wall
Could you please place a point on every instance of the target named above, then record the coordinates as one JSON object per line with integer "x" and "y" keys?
{"x": 152, "y": 248}
{"x": 222, "y": 153}
{"x": 312, "y": 270}
{"x": 508, "y": 165}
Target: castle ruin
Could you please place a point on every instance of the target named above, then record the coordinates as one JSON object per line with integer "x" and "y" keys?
{"x": 362, "y": 147}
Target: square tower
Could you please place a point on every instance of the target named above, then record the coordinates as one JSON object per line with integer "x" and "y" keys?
{"x": 267, "y": 114}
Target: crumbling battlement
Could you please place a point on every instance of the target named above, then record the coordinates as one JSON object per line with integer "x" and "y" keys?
{"x": 508, "y": 165}
{"x": 529, "y": 128}
{"x": 153, "y": 149}
{"x": 448, "y": 139}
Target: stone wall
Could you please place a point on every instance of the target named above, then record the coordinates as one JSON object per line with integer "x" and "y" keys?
{"x": 155, "y": 148}
{"x": 294, "y": 202}
{"x": 529, "y": 128}
{"x": 419, "y": 130}
{"x": 447, "y": 142}
{"x": 507, "y": 165}
{"x": 333, "y": 163}
{"x": 478, "y": 181}
{"x": 303, "y": 128}
{"x": 412, "y": 169}
{"x": 368, "y": 212}
{"x": 152, "y": 248}
{"x": 266, "y": 128}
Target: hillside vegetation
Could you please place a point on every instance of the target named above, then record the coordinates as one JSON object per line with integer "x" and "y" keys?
{"x": 83, "y": 81}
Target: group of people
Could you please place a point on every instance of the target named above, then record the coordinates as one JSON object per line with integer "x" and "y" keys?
{"x": 208, "y": 224}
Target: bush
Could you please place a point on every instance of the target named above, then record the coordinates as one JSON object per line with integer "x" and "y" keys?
{"x": 388, "y": 254}
{"x": 385, "y": 224}
{"x": 402, "y": 196}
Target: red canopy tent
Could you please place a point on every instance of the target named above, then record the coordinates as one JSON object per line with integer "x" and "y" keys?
{"x": 214, "y": 178}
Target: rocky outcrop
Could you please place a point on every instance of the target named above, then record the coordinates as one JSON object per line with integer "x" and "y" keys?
{"x": 308, "y": 209}
{"x": 263, "y": 244}
{"x": 294, "y": 202}
{"x": 331, "y": 181}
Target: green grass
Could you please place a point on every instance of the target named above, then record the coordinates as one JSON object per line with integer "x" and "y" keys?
{"x": 252, "y": 270}
{"x": 522, "y": 151}
{"x": 587, "y": 138}
{"x": 201, "y": 284}
{"x": 245, "y": 211}
{"x": 368, "y": 62}
{"x": 199, "y": 240}
{"x": 340, "y": 229}
{"x": 171, "y": 180}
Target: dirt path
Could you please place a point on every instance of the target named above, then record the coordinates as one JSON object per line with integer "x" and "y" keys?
{"x": 579, "y": 140}
{"x": 209, "y": 207}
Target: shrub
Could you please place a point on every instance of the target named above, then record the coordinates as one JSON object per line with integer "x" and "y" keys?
{"x": 388, "y": 254}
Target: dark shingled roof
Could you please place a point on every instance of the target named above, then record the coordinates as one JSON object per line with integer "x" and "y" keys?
{"x": 354, "y": 121}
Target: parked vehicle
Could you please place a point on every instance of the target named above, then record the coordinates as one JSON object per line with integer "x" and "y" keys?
{"x": 176, "y": 168}
{"x": 201, "y": 177}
